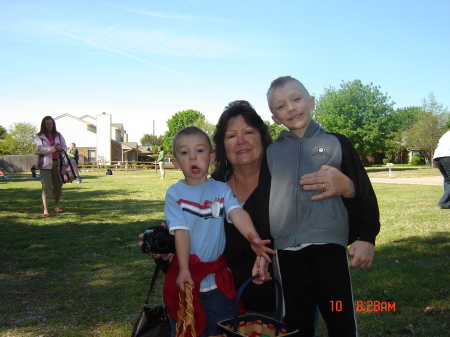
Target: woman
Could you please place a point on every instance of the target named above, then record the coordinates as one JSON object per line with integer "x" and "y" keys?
{"x": 49, "y": 143}
{"x": 241, "y": 139}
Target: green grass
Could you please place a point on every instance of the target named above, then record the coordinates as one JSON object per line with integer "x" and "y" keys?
{"x": 80, "y": 273}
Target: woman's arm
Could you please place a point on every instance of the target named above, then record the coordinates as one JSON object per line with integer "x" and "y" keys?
{"x": 42, "y": 148}
{"x": 329, "y": 179}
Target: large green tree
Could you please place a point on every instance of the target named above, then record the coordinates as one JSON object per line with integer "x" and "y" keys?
{"x": 19, "y": 139}
{"x": 360, "y": 112}
{"x": 178, "y": 121}
{"x": 424, "y": 134}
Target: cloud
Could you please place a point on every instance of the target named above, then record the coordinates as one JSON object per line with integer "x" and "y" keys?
{"x": 128, "y": 43}
{"x": 175, "y": 15}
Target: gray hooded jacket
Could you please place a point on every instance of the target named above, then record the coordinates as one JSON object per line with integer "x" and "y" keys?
{"x": 295, "y": 218}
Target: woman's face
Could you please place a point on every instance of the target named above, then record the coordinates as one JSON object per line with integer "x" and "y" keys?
{"x": 48, "y": 125}
{"x": 243, "y": 143}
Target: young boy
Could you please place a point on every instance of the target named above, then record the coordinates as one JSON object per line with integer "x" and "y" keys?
{"x": 195, "y": 209}
{"x": 311, "y": 236}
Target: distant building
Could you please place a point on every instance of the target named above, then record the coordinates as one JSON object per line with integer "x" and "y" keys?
{"x": 98, "y": 140}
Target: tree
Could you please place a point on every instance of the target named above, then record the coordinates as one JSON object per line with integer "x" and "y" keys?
{"x": 424, "y": 135}
{"x": 151, "y": 140}
{"x": 206, "y": 126}
{"x": 274, "y": 129}
{"x": 178, "y": 121}
{"x": 400, "y": 121}
{"x": 431, "y": 124}
{"x": 3, "y": 132}
{"x": 360, "y": 112}
{"x": 19, "y": 140}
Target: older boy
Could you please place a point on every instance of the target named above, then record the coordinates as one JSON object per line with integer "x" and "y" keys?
{"x": 195, "y": 209}
{"x": 311, "y": 236}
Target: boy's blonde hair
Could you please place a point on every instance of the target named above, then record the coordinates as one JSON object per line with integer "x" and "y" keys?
{"x": 189, "y": 131}
{"x": 280, "y": 82}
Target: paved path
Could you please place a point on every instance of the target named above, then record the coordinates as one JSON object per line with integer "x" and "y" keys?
{"x": 435, "y": 180}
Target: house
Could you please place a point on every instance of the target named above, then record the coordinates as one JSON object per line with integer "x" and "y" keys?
{"x": 98, "y": 140}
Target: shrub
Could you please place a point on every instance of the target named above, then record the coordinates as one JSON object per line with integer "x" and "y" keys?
{"x": 417, "y": 161}
{"x": 385, "y": 161}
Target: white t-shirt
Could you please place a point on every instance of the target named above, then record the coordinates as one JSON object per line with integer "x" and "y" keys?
{"x": 200, "y": 209}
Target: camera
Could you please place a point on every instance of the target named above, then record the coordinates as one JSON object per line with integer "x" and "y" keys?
{"x": 157, "y": 240}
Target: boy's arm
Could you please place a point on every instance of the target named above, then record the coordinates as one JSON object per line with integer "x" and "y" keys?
{"x": 363, "y": 212}
{"x": 244, "y": 224}
{"x": 361, "y": 254}
{"x": 183, "y": 248}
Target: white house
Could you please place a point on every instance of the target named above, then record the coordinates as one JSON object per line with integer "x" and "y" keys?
{"x": 98, "y": 139}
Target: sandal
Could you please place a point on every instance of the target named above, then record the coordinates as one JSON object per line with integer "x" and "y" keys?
{"x": 45, "y": 215}
{"x": 58, "y": 210}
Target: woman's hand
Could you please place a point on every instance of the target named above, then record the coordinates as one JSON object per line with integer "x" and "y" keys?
{"x": 331, "y": 181}
{"x": 165, "y": 257}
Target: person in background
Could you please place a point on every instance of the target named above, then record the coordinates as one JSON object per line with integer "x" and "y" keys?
{"x": 72, "y": 152}
{"x": 3, "y": 174}
{"x": 160, "y": 160}
{"x": 311, "y": 237}
{"x": 442, "y": 160}
{"x": 33, "y": 171}
{"x": 195, "y": 209}
{"x": 49, "y": 143}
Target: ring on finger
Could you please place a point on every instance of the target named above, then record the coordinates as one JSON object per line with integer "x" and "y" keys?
{"x": 323, "y": 186}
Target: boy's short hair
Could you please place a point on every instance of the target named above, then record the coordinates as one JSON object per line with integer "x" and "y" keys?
{"x": 279, "y": 83}
{"x": 189, "y": 131}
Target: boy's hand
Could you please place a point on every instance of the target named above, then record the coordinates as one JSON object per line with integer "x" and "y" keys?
{"x": 361, "y": 254}
{"x": 184, "y": 276}
{"x": 259, "y": 247}
{"x": 261, "y": 267}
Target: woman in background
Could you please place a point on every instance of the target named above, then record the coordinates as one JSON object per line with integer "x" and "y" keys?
{"x": 49, "y": 143}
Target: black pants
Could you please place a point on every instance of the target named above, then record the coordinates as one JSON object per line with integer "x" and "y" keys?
{"x": 318, "y": 275}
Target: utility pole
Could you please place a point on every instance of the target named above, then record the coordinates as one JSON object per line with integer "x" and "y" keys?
{"x": 154, "y": 126}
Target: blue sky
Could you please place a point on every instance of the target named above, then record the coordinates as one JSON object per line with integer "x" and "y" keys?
{"x": 143, "y": 61}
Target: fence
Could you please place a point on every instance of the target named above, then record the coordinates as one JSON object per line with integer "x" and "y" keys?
{"x": 23, "y": 163}
{"x": 18, "y": 163}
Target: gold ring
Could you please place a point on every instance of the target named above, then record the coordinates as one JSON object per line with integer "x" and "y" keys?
{"x": 323, "y": 186}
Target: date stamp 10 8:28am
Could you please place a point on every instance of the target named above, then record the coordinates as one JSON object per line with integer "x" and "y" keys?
{"x": 368, "y": 306}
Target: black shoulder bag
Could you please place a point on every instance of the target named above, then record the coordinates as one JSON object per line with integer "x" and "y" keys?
{"x": 153, "y": 322}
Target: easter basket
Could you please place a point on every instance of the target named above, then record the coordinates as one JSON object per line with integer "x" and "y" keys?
{"x": 255, "y": 325}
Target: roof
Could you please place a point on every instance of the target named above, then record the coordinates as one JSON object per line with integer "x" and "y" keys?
{"x": 79, "y": 119}
{"x": 129, "y": 145}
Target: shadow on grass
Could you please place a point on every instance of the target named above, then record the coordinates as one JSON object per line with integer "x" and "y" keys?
{"x": 75, "y": 201}
{"x": 413, "y": 274}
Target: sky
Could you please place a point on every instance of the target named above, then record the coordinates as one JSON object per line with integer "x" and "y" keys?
{"x": 143, "y": 61}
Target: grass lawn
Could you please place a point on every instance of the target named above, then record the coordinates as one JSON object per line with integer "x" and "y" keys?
{"x": 80, "y": 272}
